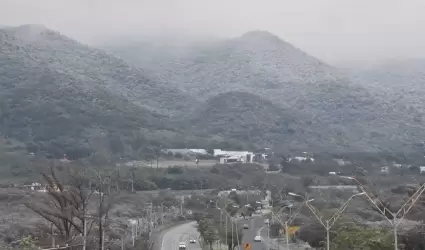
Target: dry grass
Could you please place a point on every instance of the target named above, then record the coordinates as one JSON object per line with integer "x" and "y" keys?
{"x": 17, "y": 220}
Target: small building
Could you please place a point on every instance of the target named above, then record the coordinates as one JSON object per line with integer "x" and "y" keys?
{"x": 65, "y": 159}
{"x": 234, "y": 156}
{"x": 385, "y": 170}
{"x": 187, "y": 151}
{"x": 342, "y": 162}
{"x": 301, "y": 159}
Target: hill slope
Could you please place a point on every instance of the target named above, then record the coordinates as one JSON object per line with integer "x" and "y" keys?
{"x": 339, "y": 111}
{"x": 40, "y": 47}
{"x": 400, "y": 82}
{"x": 242, "y": 116}
{"x": 59, "y": 94}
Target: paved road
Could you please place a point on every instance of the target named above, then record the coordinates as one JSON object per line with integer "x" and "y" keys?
{"x": 255, "y": 225}
{"x": 182, "y": 233}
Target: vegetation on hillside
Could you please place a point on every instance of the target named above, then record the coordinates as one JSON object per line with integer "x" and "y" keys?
{"x": 329, "y": 111}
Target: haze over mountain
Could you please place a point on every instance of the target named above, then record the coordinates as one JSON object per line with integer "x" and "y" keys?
{"x": 56, "y": 92}
{"x": 255, "y": 89}
{"x": 332, "y": 30}
{"x": 315, "y": 93}
{"x": 399, "y": 81}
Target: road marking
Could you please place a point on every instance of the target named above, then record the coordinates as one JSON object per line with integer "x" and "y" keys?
{"x": 163, "y": 238}
{"x": 259, "y": 230}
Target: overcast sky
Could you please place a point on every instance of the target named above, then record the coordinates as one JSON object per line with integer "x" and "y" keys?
{"x": 333, "y": 30}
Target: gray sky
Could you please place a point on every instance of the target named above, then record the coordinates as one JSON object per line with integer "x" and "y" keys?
{"x": 333, "y": 30}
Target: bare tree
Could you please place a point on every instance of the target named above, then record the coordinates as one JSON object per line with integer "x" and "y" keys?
{"x": 57, "y": 207}
{"x": 67, "y": 206}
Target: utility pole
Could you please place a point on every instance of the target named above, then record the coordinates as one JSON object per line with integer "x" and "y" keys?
{"x": 103, "y": 239}
{"x": 53, "y": 236}
{"x": 181, "y": 204}
{"x": 231, "y": 221}
{"x": 162, "y": 213}
{"x": 268, "y": 235}
{"x": 85, "y": 230}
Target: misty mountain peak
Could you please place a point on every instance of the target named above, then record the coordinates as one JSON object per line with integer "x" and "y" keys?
{"x": 260, "y": 36}
{"x": 29, "y": 29}
{"x": 255, "y": 34}
{"x": 34, "y": 32}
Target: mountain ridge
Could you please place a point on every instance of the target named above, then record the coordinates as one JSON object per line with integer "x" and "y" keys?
{"x": 261, "y": 63}
{"x": 255, "y": 89}
{"x": 56, "y": 95}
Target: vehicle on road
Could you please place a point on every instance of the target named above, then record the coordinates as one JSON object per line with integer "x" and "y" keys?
{"x": 182, "y": 245}
{"x": 257, "y": 238}
{"x": 192, "y": 241}
{"x": 266, "y": 221}
{"x": 245, "y": 226}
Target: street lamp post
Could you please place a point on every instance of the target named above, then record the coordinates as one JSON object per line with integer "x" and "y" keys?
{"x": 133, "y": 231}
{"x": 327, "y": 224}
{"x": 291, "y": 217}
{"x": 395, "y": 221}
{"x": 236, "y": 228}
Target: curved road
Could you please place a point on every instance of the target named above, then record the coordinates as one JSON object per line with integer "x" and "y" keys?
{"x": 182, "y": 233}
{"x": 185, "y": 232}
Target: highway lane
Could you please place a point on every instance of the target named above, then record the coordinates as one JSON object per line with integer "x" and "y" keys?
{"x": 255, "y": 224}
{"x": 182, "y": 233}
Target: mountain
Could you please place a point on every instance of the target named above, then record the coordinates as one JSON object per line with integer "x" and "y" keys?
{"x": 57, "y": 94}
{"x": 60, "y": 96}
{"x": 329, "y": 109}
{"x": 256, "y": 60}
{"x": 44, "y": 48}
{"x": 400, "y": 81}
{"x": 241, "y": 116}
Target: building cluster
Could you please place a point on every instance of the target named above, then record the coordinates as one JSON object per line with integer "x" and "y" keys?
{"x": 224, "y": 155}
{"x": 386, "y": 169}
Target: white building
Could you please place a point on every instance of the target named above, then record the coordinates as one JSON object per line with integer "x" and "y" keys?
{"x": 234, "y": 156}
{"x": 188, "y": 151}
{"x": 301, "y": 159}
{"x": 385, "y": 169}
{"x": 239, "y": 192}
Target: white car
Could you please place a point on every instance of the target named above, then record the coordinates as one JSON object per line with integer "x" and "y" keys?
{"x": 257, "y": 238}
{"x": 192, "y": 241}
{"x": 182, "y": 245}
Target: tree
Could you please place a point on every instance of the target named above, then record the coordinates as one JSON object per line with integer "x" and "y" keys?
{"x": 65, "y": 204}
{"x": 358, "y": 237}
{"x": 210, "y": 151}
{"x": 235, "y": 197}
{"x": 233, "y": 238}
{"x": 59, "y": 206}
{"x": 27, "y": 243}
{"x": 208, "y": 231}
